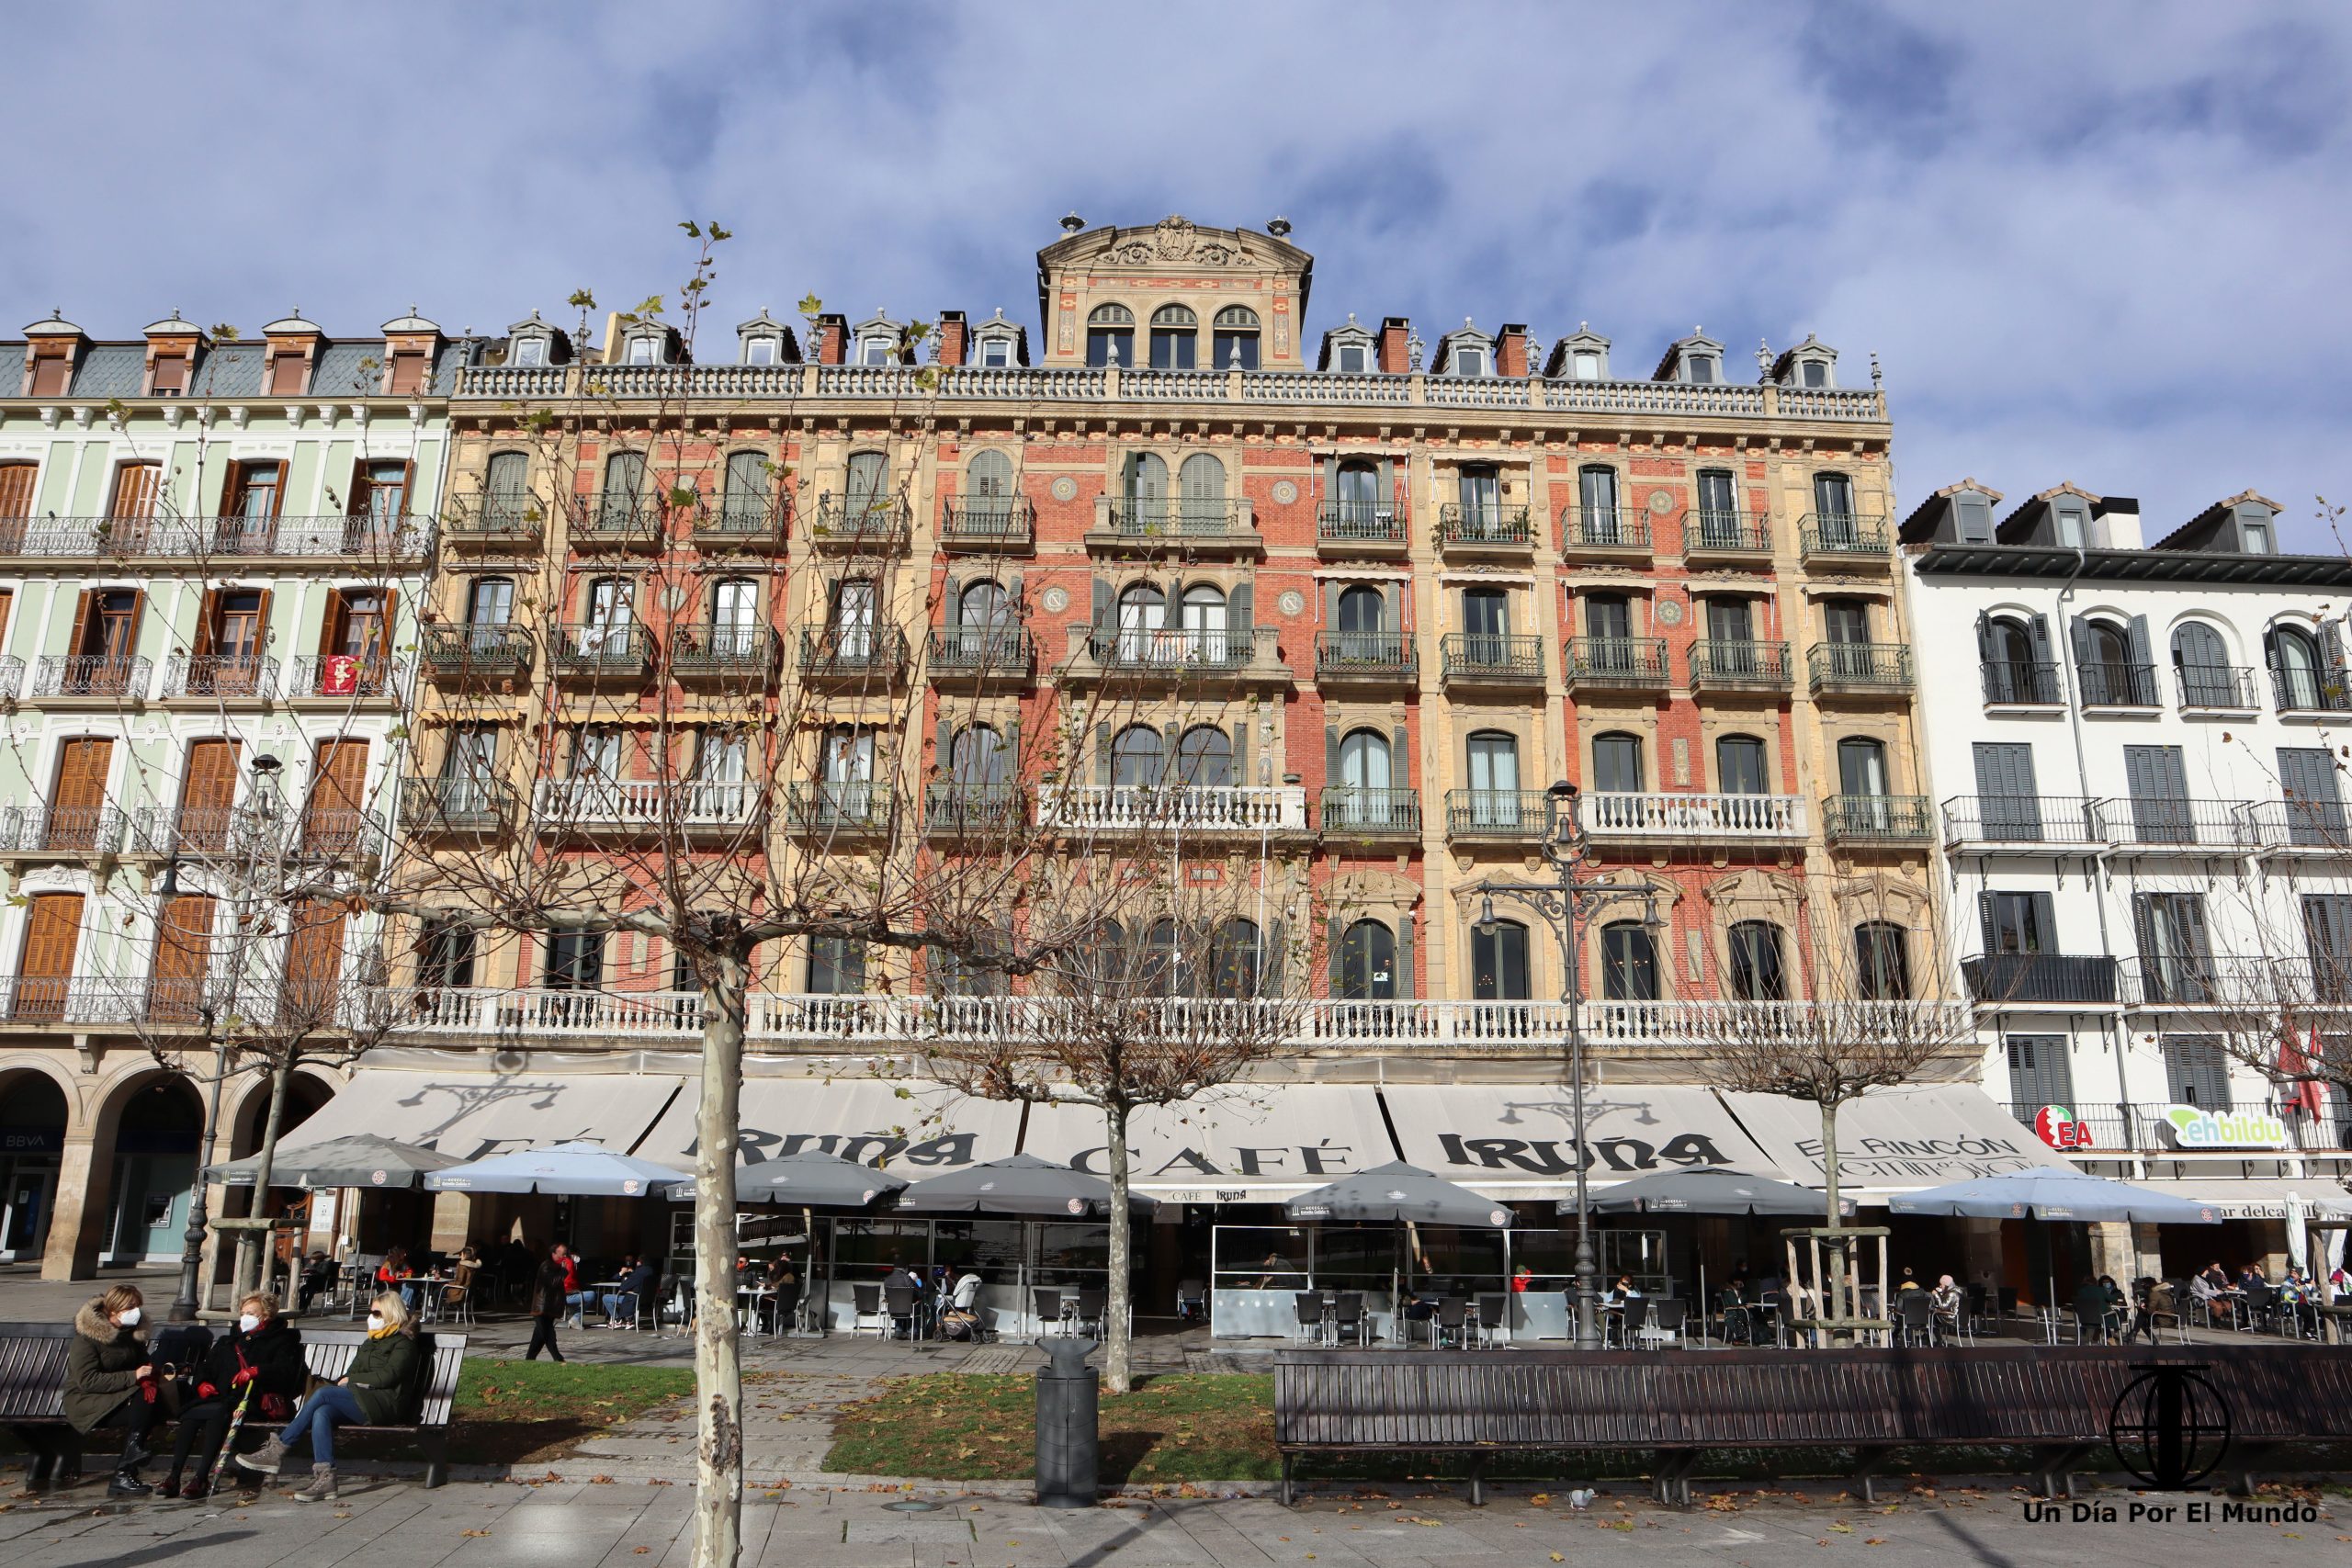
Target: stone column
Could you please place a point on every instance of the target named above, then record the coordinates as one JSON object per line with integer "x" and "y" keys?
{"x": 78, "y": 1224}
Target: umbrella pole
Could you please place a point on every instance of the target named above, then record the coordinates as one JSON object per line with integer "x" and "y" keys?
{"x": 1703, "y": 1298}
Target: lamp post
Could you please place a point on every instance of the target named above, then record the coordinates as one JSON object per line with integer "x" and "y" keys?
{"x": 1567, "y": 900}
{"x": 184, "y": 1307}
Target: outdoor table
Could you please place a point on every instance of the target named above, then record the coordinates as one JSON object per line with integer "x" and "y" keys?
{"x": 758, "y": 1294}
{"x": 1542, "y": 1314}
{"x": 600, "y": 1288}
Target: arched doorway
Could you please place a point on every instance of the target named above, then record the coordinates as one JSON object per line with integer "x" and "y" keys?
{"x": 155, "y": 1164}
{"x": 304, "y": 1096}
{"x": 32, "y": 1139}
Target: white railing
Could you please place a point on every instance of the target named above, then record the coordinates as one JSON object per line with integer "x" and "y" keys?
{"x": 1174, "y": 385}
{"x": 1709, "y": 817}
{"x": 642, "y": 803}
{"x": 1482, "y": 392}
{"x": 1652, "y": 397}
{"x": 516, "y": 381}
{"x": 1198, "y": 808}
{"x": 1324, "y": 386}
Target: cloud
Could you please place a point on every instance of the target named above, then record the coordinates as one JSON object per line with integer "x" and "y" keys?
{"x": 2098, "y": 242}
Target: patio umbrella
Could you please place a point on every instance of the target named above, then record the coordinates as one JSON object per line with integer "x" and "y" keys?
{"x": 360, "y": 1160}
{"x": 1023, "y": 1184}
{"x": 816, "y": 1180}
{"x": 1707, "y": 1191}
{"x": 579, "y": 1170}
{"x": 2054, "y": 1195}
{"x": 1399, "y": 1192}
{"x": 2298, "y": 1230}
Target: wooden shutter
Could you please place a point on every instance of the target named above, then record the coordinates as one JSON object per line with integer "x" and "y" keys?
{"x": 8, "y": 609}
{"x": 16, "y": 489}
{"x": 208, "y": 790}
{"x": 82, "y": 765}
{"x": 183, "y": 955}
{"x": 134, "y": 490}
{"x": 313, "y": 961}
{"x": 51, "y": 928}
{"x": 208, "y": 623}
{"x": 408, "y": 373}
{"x": 337, "y": 790}
{"x": 333, "y": 623}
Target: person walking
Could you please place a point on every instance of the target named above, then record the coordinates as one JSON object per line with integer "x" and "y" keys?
{"x": 374, "y": 1393}
{"x": 549, "y": 1288}
{"x": 258, "y": 1364}
{"x": 110, "y": 1381}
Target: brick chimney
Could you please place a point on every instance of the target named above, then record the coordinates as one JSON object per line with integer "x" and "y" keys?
{"x": 955, "y": 338}
{"x": 1510, "y": 350}
{"x": 832, "y": 339}
{"x": 1395, "y": 354}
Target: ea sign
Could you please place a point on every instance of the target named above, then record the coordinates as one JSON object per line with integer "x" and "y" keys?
{"x": 2056, "y": 1125}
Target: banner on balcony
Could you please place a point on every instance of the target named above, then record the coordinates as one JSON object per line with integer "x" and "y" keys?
{"x": 913, "y": 1127}
{"x": 340, "y": 677}
{"x": 1240, "y": 1143}
{"x": 1520, "y": 1141}
{"x": 1897, "y": 1140}
{"x": 474, "y": 1115}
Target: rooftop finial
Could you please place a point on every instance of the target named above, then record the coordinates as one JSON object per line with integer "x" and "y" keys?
{"x": 1878, "y": 377}
{"x": 1073, "y": 222}
{"x": 1764, "y": 356}
{"x": 1278, "y": 226}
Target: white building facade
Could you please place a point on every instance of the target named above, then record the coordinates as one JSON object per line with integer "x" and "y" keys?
{"x": 2136, "y": 748}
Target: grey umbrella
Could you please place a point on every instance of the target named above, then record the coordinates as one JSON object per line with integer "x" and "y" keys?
{"x": 816, "y": 1180}
{"x": 360, "y": 1160}
{"x": 1705, "y": 1189}
{"x": 2073, "y": 1195}
{"x": 1023, "y": 1184}
{"x": 1399, "y": 1192}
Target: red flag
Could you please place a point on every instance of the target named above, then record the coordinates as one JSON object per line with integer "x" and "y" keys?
{"x": 2301, "y": 1091}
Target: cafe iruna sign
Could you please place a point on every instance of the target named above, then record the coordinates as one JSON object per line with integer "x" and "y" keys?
{"x": 2195, "y": 1128}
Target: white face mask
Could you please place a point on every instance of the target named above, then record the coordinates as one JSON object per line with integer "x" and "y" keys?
{"x": 128, "y": 1318}
{"x": 375, "y": 1323}
{"x": 248, "y": 1322}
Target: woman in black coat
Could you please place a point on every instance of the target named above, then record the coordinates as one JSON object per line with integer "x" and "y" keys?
{"x": 264, "y": 1355}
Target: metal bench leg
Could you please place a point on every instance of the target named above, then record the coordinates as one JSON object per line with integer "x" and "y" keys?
{"x": 2243, "y": 1462}
{"x": 1866, "y": 1466}
{"x": 2055, "y": 1467}
{"x": 435, "y": 1444}
{"x": 1478, "y": 1483}
{"x": 1287, "y": 1460}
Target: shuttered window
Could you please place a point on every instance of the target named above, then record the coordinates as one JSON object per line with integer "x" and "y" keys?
{"x": 2195, "y": 1071}
{"x": 2314, "y": 804}
{"x": 207, "y": 789}
{"x": 2158, "y": 780}
{"x": 134, "y": 490}
{"x": 183, "y": 955}
{"x": 16, "y": 489}
{"x": 331, "y": 823}
{"x": 2040, "y": 1073}
{"x": 2008, "y": 803}
{"x": 313, "y": 964}
{"x": 53, "y": 925}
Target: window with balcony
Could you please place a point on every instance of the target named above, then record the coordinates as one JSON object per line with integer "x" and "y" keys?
{"x": 506, "y": 492}
{"x": 1144, "y": 486}
{"x": 136, "y": 487}
{"x": 2196, "y": 1072}
{"x": 106, "y": 636}
{"x": 1861, "y": 767}
{"x": 745, "y": 492}
{"x": 1111, "y": 336}
{"x": 253, "y": 493}
{"x": 468, "y": 771}
{"x": 2041, "y": 1073}
{"x": 1599, "y": 521}
{"x": 2157, "y": 779}
{"x": 1731, "y": 627}
{"x": 1617, "y": 764}
{"x": 2175, "y": 950}
{"x": 1201, "y": 483}
{"x": 1137, "y": 756}
{"x": 1365, "y": 760}
{"x": 987, "y": 481}
{"x": 1485, "y": 620}
{"x": 1881, "y": 962}
{"x": 489, "y": 605}
{"x": 446, "y": 952}
{"x": 1355, "y": 492}
{"x": 1494, "y": 775}
{"x": 1478, "y": 487}
{"x": 1365, "y": 968}
{"x": 1205, "y": 631}
{"x": 868, "y": 485}
{"x": 379, "y": 495}
{"x": 1205, "y": 757}
{"x": 1236, "y": 329}
{"x": 1175, "y": 338}
{"x": 1740, "y": 766}
{"x": 1845, "y": 623}
{"x": 2016, "y": 655}
{"x": 574, "y": 962}
{"x": 2116, "y": 666}
{"x": 2200, "y": 662}
{"x": 1628, "y": 963}
{"x": 1143, "y": 617}
{"x": 610, "y": 616}
{"x": 45, "y": 963}
{"x": 1833, "y": 506}
{"x": 735, "y": 629}
{"x": 2015, "y": 924}
{"x": 1757, "y": 972}
{"x": 979, "y": 755}
{"x": 623, "y": 501}
{"x": 850, "y": 619}
{"x": 2328, "y": 941}
{"x": 836, "y": 966}
{"x": 1237, "y": 960}
{"x": 596, "y": 752}
{"x": 1718, "y": 519}
{"x": 1498, "y": 970}
{"x": 2305, "y": 676}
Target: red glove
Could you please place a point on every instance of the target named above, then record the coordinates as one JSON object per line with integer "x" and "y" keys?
{"x": 147, "y": 1390}
{"x": 273, "y": 1408}
{"x": 205, "y": 1391}
{"x": 244, "y": 1375}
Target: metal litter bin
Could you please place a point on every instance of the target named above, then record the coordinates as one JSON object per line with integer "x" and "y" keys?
{"x": 1069, "y": 1395}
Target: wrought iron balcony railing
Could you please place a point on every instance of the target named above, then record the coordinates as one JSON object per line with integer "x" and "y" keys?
{"x": 1350, "y": 811}
{"x": 2033, "y": 979}
{"x": 1860, "y": 667}
{"x": 1369, "y": 525}
{"x": 1846, "y": 535}
{"x": 979, "y": 652}
{"x": 2227, "y": 686}
{"x": 496, "y": 517}
{"x": 1720, "y": 666}
{"x": 1385, "y": 656}
{"x": 367, "y": 537}
{"x": 958, "y": 808}
{"x": 2146, "y": 823}
{"x": 598, "y": 651}
{"x": 625, "y": 519}
{"x": 1492, "y": 657}
{"x": 92, "y": 675}
{"x": 847, "y": 808}
{"x": 2021, "y": 681}
{"x": 12, "y": 678}
{"x": 1709, "y": 530}
{"x": 457, "y": 804}
{"x": 226, "y": 677}
{"x": 342, "y": 676}
{"x": 988, "y": 522}
{"x": 1604, "y": 531}
{"x": 726, "y": 653}
{"x": 593, "y": 803}
{"x": 853, "y": 523}
{"x": 1861, "y": 819}
{"x": 1177, "y": 653}
{"x": 1506, "y": 815}
{"x": 1474, "y": 526}
{"x": 2113, "y": 685}
{"x": 746, "y": 521}
{"x": 1621, "y": 661}
{"x": 40, "y": 829}
{"x": 2320, "y": 826}
{"x": 2066, "y": 820}
{"x": 856, "y": 653}
{"x": 489, "y": 650}
{"x": 2307, "y": 690}
{"x": 1191, "y": 518}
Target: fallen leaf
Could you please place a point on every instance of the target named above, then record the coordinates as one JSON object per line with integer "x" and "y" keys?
{"x": 1557, "y": 1557}
{"x": 1874, "y": 1541}
{"x": 1841, "y": 1526}
{"x": 476, "y": 1532}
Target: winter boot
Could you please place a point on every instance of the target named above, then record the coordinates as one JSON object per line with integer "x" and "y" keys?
{"x": 264, "y": 1459}
{"x": 125, "y": 1482}
{"x": 322, "y": 1487}
{"x": 199, "y": 1487}
{"x": 170, "y": 1486}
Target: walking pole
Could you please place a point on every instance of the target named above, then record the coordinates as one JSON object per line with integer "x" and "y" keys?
{"x": 229, "y": 1443}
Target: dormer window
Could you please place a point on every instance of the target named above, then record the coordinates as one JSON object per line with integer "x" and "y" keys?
{"x": 2253, "y": 537}
{"x": 1700, "y": 369}
{"x": 1355, "y": 358}
{"x": 1175, "y": 338}
{"x": 642, "y": 351}
{"x": 530, "y": 351}
{"x": 1813, "y": 373}
{"x": 406, "y": 376}
{"x": 1111, "y": 336}
{"x": 759, "y": 351}
{"x": 996, "y": 353}
{"x": 1470, "y": 359}
{"x": 2072, "y": 525}
{"x": 1237, "y": 338}
{"x": 1973, "y": 514}
{"x": 875, "y": 348}
{"x": 1584, "y": 365}
{"x": 171, "y": 375}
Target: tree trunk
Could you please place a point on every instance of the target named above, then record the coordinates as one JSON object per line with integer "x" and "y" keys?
{"x": 718, "y": 1372}
{"x": 1834, "y": 1291}
{"x": 252, "y": 1247}
{"x": 1829, "y": 1161}
{"x": 1117, "y": 1345}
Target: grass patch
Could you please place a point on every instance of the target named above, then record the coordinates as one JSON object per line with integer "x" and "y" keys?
{"x": 514, "y": 1412}
{"x": 955, "y": 1426}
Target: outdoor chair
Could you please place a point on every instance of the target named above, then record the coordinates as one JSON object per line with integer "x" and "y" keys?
{"x": 1453, "y": 1318}
{"x": 1786, "y": 1327}
{"x": 1915, "y": 1318}
{"x": 1662, "y": 1325}
{"x": 865, "y": 1308}
{"x": 1192, "y": 1301}
{"x": 2261, "y": 1307}
{"x": 899, "y": 1301}
{"x": 1733, "y": 1313}
{"x": 1308, "y": 1307}
{"x": 1093, "y": 1300}
{"x": 1978, "y": 1307}
{"x": 1348, "y": 1316}
{"x": 1494, "y": 1317}
{"x": 454, "y": 1303}
{"x": 1046, "y": 1307}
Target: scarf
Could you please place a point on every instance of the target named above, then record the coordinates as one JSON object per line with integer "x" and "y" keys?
{"x": 381, "y": 1333}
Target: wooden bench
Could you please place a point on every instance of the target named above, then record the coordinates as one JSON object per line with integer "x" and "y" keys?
{"x": 32, "y": 1393}
{"x": 1677, "y": 1406}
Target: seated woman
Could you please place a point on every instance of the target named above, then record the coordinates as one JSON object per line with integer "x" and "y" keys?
{"x": 462, "y": 1277}
{"x": 373, "y": 1393}
{"x": 1945, "y": 1302}
{"x": 258, "y": 1365}
{"x": 318, "y": 1277}
{"x": 394, "y": 1274}
{"x": 109, "y": 1382}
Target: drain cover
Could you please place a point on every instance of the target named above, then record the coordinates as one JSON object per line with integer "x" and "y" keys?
{"x": 911, "y": 1506}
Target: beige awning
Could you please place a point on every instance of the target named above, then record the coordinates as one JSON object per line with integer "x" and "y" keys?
{"x": 911, "y": 1126}
{"x": 1897, "y": 1140}
{"x": 2260, "y": 1197}
{"x": 1240, "y": 1143}
{"x": 1519, "y": 1140}
{"x": 472, "y": 1115}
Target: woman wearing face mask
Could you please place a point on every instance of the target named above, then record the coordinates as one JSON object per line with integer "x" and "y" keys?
{"x": 373, "y": 1393}
{"x": 109, "y": 1382}
{"x": 259, "y": 1363}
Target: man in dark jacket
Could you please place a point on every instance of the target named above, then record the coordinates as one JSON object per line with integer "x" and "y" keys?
{"x": 109, "y": 1382}
{"x": 259, "y": 1365}
{"x": 549, "y": 1288}
{"x": 627, "y": 1301}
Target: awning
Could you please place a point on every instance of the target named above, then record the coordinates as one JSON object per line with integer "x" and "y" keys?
{"x": 914, "y": 1127}
{"x": 470, "y": 1115}
{"x": 1897, "y": 1140}
{"x": 1240, "y": 1143}
{"x": 2262, "y": 1198}
{"x": 1519, "y": 1140}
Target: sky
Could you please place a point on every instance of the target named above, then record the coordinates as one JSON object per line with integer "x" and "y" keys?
{"x": 2103, "y": 242}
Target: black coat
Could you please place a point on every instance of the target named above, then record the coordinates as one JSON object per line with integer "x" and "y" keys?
{"x": 275, "y": 1350}
{"x": 547, "y": 1291}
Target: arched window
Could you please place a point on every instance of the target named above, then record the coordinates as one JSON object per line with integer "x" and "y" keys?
{"x": 1145, "y": 484}
{"x": 1205, "y": 623}
{"x": 2201, "y": 660}
{"x": 1756, "y": 975}
{"x": 1498, "y": 961}
{"x": 1201, "y": 482}
{"x": 743, "y": 504}
{"x": 1364, "y": 610}
{"x": 506, "y": 491}
{"x": 735, "y": 631}
{"x": 1617, "y": 764}
{"x": 1628, "y": 963}
{"x": 987, "y": 625}
{"x": 2295, "y": 668}
{"x": 1237, "y": 338}
{"x": 2015, "y": 671}
{"x": 1739, "y": 766}
{"x": 623, "y": 501}
{"x": 1111, "y": 336}
{"x": 1175, "y": 338}
{"x": 2110, "y": 676}
{"x": 1237, "y": 959}
{"x": 1143, "y": 617}
{"x": 1136, "y": 757}
{"x": 869, "y": 482}
{"x": 1365, "y": 760}
{"x": 1359, "y": 511}
{"x": 1861, "y": 766}
{"x": 988, "y": 480}
{"x": 608, "y": 611}
{"x": 978, "y": 756}
{"x": 1881, "y": 962}
{"x": 1205, "y": 757}
{"x": 1366, "y": 967}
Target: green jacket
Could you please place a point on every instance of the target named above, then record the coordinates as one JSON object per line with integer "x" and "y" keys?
{"x": 102, "y": 1367}
{"x": 382, "y": 1377}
